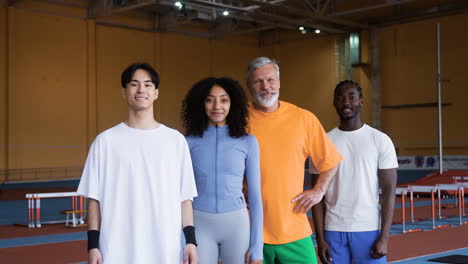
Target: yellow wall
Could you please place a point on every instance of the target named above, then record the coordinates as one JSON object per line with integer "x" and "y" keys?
{"x": 3, "y": 88}
{"x": 64, "y": 79}
{"x": 181, "y": 65}
{"x": 308, "y": 76}
{"x": 117, "y": 48}
{"x": 408, "y": 74}
{"x": 48, "y": 100}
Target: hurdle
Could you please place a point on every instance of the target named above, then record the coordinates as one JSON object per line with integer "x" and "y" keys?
{"x": 424, "y": 189}
{"x": 460, "y": 179}
{"x": 402, "y": 192}
{"x": 459, "y": 199}
{"x": 463, "y": 185}
{"x": 34, "y": 206}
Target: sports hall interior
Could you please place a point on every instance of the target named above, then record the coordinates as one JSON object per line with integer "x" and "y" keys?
{"x": 60, "y": 66}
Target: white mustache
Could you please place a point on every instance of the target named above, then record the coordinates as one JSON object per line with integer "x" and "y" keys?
{"x": 267, "y": 92}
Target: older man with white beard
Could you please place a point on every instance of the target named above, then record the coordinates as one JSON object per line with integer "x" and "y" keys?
{"x": 287, "y": 136}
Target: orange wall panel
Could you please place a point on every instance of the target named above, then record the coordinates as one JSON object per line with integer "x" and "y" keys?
{"x": 66, "y": 72}
{"x": 308, "y": 76}
{"x": 117, "y": 48}
{"x": 184, "y": 60}
{"x": 3, "y": 89}
{"x": 408, "y": 74}
{"x": 231, "y": 59}
{"x": 454, "y": 69}
{"x": 49, "y": 102}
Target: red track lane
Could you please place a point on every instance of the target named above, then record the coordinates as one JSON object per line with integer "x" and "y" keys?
{"x": 400, "y": 247}
{"x": 53, "y": 253}
{"x": 412, "y": 245}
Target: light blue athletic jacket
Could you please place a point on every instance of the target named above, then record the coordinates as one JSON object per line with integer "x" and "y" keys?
{"x": 220, "y": 163}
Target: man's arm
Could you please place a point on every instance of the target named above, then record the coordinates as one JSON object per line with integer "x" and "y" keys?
{"x": 94, "y": 215}
{"x": 388, "y": 179}
{"x": 190, "y": 251}
{"x": 318, "y": 215}
{"x": 94, "y": 224}
{"x": 311, "y": 197}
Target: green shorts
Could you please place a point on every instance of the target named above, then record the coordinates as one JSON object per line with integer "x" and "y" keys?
{"x": 301, "y": 251}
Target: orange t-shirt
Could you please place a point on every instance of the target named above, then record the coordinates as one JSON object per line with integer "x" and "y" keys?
{"x": 287, "y": 137}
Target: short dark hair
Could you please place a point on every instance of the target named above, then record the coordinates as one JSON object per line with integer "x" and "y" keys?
{"x": 194, "y": 118}
{"x": 347, "y": 83}
{"x": 128, "y": 73}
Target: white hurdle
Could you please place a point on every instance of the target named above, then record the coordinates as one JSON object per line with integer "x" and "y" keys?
{"x": 463, "y": 185}
{"x": 458, "y": 179}
{"x": 402, "y": 192}
{"x": 458, "y": 188}
{"x": 459, "y": 197}
{"x": 34, "y": 205}
{"x": 423, "y": 189}
{"x": 446, "y": 187}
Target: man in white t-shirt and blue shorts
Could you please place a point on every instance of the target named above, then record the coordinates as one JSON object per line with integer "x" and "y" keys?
{"x": 351, "y": 226}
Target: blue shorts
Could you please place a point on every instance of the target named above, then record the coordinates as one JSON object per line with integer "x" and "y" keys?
{"x": 353, "y": 247}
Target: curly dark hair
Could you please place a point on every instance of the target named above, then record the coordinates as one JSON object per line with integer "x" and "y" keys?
{"x": 194, "y": 118}
{"x": 347, "y": 83}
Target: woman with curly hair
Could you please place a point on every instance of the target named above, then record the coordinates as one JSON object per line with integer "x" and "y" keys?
{"x": 215, "y": 118}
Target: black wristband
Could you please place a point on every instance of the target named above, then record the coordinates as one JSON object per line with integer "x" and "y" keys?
{"x": 93, "y": 239}
{"x": 189, "y": 232}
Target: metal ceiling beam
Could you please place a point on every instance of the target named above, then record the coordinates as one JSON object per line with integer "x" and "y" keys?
{"x": 237, "y": 14}
{"x": 260, "y": 4}
{"x": 11, "y": 2}
{"x": 299, "y": 22}
{"x": 292, "y": 9}
{"x": 219, "y": 5}
{"x": 363, "y": 9}
{"x": 441, "y": 10}
{"x": 107, "y": 8}
{"x": 257, "y": 20}
{"x": 171, "y": 20}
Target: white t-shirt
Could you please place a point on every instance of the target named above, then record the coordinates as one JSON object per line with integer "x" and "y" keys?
{"x": 140, "y": 178}
{"x": 352, "y": 200}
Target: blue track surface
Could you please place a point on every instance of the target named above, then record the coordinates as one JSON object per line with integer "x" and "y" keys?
{"x": 14, "y": 212}
{"x": 38, "y": 240}
{"x": 23, "y": 241}
{"x": 426, "y": 225}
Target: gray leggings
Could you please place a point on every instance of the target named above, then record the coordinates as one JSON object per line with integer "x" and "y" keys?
{"x": 225, "y": 236}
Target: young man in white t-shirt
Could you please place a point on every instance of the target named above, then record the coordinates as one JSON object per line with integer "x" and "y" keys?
{"x": 349, "y": 223}
{"x": 140, "y": 184}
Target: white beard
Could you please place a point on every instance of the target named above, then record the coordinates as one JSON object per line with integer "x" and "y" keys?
{"x": 266, "y": 102}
